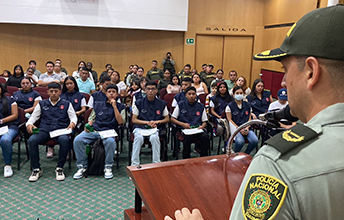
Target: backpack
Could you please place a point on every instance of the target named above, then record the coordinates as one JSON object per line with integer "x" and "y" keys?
{"x": 96, "y": 159}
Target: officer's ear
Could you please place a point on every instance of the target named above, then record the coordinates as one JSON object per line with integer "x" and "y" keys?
{"x": 313, "y": 71}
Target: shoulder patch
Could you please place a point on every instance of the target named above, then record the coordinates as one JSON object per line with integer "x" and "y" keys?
{"x": 263, "y": 197}
{"x": 287, "y": 140}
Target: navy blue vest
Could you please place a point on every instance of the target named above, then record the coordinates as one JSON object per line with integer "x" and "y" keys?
{"x": 181, "y": 97}
{"x": 191, "y": 113}
{"x": 105, "y": 116}
{"x": 139, "y": 95}
{"x": 240, "y": 116}
{"x": 150, "y": 111}
{"x": 99, "y": 97}
{"x": 12, "y": 124}
{"x": 221, "y": 105}
{"x": 260, "y": 106}
{"x": 25, "y": 100}
{"x": 74, "y": 98}
{"x": 54, "y": 117}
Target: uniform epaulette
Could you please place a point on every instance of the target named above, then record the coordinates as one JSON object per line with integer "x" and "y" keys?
{"x": 287, "y": 140}
{"x": 268, "y": 90}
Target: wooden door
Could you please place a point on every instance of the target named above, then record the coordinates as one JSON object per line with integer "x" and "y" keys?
{"x": 238, "y": 56}
{"x": 209, "y": 49}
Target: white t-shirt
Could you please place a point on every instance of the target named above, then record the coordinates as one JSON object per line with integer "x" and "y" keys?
{"x": 276, "y": 105}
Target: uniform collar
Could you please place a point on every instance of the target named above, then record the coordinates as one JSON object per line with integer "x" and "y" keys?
{"x": 55, "y": 103}
{"x": 330, "y": 115}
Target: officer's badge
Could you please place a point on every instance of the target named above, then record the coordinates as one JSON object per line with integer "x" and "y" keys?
{"x": 263, "y": 197}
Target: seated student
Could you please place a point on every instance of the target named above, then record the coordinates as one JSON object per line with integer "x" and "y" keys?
{"x": 219, "y": 102}
{"x": 219, "y": 77}
{"x": 163, "y": 83}
{"x": 71, "y": 93}
{"x": 238, "y": 112}
{"x": 100, "y": 95}
{"x": 241, "y": 81}
{"x": 6, "y": 74}
{"x": 105, "y": 115}
{"x": 200, "y": 87}
{"x": 15, "y": 79}
{"x": 174, "y": 85}
{"x": 211, "y": 94}
{"x": 8, "y": 117}
{"x": 84, "y": 83}
{"x": 133, "y": 88}
{"x": 148, "y": 112}
{"x": 32, "y": 77}
{"x": 190, "y": 114}
{"x": 281, "y": 102}
{"x": 55, "y": 113}
{"x": 142, "y": 93}
{"x": 27, "y": 98}
{"x": 186, "y": 83}
{"x": 259, "y": 98}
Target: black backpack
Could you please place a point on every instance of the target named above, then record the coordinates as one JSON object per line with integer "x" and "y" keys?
{"x": 96, "y": 159}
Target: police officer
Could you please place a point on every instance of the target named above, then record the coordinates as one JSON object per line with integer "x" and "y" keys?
{"x": 298, "y": 173}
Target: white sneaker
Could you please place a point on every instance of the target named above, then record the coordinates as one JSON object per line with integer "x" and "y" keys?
{"x": 59, "y": 174}
{"x": 35, "y": 175}
{"x": 8, "y": 172}
{"x": 80, "y": 173}
{"x": 108, "y": 172}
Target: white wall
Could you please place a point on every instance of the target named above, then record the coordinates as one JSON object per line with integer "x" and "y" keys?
{"x": 171, "y": 15}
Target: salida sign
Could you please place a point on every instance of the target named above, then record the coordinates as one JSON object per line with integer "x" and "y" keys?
{"x": 225, "y": 29}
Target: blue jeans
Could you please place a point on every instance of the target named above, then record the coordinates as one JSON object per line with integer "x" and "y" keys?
{"x": 41, "y": 138}
{"x": 88, "y": 138}
{"x": 240, "y": 141}
{"x": 138, "y": 142}
{"x": 6, "y": 145}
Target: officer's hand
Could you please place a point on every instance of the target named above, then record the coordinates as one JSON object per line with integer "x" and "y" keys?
{"x": 29, "y": 128}
{"x": 185, "y": 214}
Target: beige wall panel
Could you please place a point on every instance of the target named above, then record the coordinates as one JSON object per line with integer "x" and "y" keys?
{"x": 238, "y": 56}
{"x": 226, "y": 12}
{"x": 286, "y": 11}
{"x": 209, "y": 49}
{"x": 120, "y": 47}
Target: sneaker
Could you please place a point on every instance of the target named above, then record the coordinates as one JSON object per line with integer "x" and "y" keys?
{"x": 80, "y": 173}
{"x": 108, "y": 172}
{"x": 35, "y": 175}
{"x": 59, "y": 174}
{"x": 8, "y": 172}
{"x": 50, "y": 152}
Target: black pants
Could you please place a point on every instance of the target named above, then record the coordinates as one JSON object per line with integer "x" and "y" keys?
{"x": 202, "y": 140}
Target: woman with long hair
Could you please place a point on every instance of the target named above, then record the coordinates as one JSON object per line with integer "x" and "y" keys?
{"x": 9, "y": 125}
{"x": 241, "y": 81}
{"x": 16, "y": 78}
{"x": 201, "y": 87}
{"x": 259, "y": 98}
{"x": 116, "y": 79}
{"x": 238, "y": 112}
{"x": 70, "y": 92}
{"x": 219, "y": 102}
{"x": 174, "y": 86}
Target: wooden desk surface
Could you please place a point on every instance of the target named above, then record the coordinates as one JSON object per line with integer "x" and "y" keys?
{"x": 207, "y": 183}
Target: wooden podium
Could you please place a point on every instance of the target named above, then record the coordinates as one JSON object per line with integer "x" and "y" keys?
{"x": 207, "y": 183}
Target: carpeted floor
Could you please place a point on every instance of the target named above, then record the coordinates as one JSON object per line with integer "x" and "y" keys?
{"x": 88, "y": 198}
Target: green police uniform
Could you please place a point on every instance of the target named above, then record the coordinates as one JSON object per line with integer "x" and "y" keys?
{"x": 299, "y": 175}
{"x": 155, "y": 74}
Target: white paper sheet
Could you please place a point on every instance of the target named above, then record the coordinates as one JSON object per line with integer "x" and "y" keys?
{"x": 148, "y": 132}
{"x": 108, "y": 133}
{"x": 60, "y": 132}
{"x": 192, "y": 131}
{"x": 3, "y": 130}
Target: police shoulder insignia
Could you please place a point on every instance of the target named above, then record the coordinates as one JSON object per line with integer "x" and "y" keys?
{"x": 287, "y": 140}
{"x": 263, "y": 197}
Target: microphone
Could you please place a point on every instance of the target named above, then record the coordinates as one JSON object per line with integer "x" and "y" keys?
{"x": 282, "y": 115}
